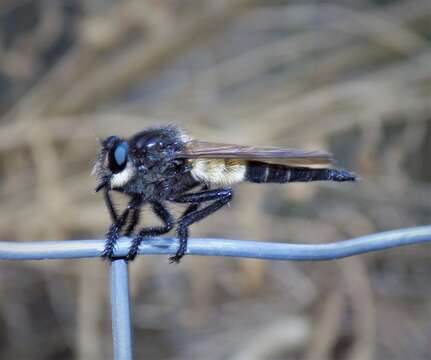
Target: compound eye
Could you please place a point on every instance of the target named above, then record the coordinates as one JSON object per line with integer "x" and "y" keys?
{"x": 118, "y": 157}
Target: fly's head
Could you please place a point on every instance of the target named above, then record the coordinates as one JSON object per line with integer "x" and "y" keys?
{"x": 147, "y": 157}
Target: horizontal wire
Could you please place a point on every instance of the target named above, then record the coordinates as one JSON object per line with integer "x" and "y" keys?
{"x": 70, "y": 249}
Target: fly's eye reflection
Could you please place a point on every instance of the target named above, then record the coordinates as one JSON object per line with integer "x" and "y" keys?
{"x": 160, "y": 146}
{"x": 118, "y": 157}
{"x": 155, "y": 144}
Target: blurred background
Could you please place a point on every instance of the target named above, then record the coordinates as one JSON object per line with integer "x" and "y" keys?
{"x": 351, "y": 76}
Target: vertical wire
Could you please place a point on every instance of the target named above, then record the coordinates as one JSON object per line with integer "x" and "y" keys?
{"x": 121, "y": 315}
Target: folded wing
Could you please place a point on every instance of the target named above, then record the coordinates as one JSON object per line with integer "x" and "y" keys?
{"x": 272, "y": 155}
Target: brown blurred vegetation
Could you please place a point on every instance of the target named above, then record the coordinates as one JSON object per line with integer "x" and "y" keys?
{"x": 350, "y": 76}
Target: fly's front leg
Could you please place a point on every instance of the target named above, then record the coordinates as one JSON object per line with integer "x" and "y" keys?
{"x": 220, "y": 197}
{"x": 168, "y": 223}
{"x": 114, "y": 231}
{"x": 109, "y": 205}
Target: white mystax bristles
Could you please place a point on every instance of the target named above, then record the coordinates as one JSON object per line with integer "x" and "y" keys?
{"x": 121, "y": 179}
{"x": 218, "y": 171}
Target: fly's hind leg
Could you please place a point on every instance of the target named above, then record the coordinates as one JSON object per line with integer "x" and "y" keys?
{"x": 193, "y": 207}
{"x": 220, "y": 197}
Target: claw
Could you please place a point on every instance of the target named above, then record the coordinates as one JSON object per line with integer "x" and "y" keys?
{"x": 107, "y": 254}
{"x": 174, "y": 259}
{"x": 131, "y": 255}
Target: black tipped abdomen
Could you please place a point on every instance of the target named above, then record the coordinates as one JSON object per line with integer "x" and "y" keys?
{"x": 258, "y": 172}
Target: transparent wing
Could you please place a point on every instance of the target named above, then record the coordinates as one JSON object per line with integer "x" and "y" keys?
{"x": 291, "y": 157}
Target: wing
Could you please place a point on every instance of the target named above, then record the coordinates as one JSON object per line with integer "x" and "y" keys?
{"x": 206, "y": 150}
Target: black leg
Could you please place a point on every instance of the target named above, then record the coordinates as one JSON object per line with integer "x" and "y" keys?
{"x": 202, "y": 196}
{"x": 114, "y": 233}
{"x": 220, "y": 197}
{"x": 168, "y": 223}
{"x": 193, "y": 207}
{"x": 134, "y": 219}
{"x": 110, "y": 205}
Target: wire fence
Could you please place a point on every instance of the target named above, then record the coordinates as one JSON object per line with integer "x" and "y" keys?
{"x": 120, "y": 294}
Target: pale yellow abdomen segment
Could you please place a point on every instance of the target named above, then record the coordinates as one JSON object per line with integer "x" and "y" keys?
{"x": 222, "y": 172}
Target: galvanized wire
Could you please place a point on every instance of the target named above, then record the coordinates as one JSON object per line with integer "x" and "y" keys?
{"x": 73, "y": 249}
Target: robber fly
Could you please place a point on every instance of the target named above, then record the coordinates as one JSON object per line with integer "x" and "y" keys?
{"x": 163, "y": 164}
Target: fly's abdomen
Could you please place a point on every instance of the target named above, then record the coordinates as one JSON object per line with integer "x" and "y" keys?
{"x": 257, "y": 172}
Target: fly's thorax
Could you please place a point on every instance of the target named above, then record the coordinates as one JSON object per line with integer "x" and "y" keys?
{"x": 157, "y": 181}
